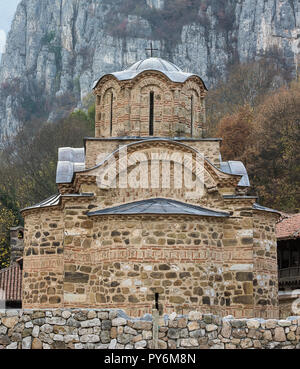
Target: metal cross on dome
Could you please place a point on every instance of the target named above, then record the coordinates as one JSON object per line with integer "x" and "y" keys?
{"x": 151, "y": 49}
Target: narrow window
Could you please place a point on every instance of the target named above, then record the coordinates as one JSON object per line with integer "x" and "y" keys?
{"x": 151, "y": 114}
{"x": 111, "y": 112}
{"x": 192, "y": 115}
{"x": 156, "y": 300}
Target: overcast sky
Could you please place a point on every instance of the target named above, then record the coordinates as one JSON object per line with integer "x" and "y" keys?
{"x": 7, "y": 11}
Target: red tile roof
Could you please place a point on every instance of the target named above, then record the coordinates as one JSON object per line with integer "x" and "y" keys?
{"x": 11, "y": 282}
{"x": 288, "y": 227}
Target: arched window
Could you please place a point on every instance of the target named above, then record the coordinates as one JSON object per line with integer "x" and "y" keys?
{"x": 192, "y": 115}
{"x": 111, "y": 112}
{"x": 151, "y": 114}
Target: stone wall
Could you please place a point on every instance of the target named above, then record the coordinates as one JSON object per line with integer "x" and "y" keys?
{"x": 43, "y": 267}
{"x": 129, "y": 260}
{"x": 73, "y": 260}
{"x": 112, "y": 329}
{"x": 265, "y": 276}
{"x": 122, "y": 262}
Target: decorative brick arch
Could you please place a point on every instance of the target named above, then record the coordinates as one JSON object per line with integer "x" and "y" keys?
{"x": 104, "y": 109}
{"x": 192, "y": 94}
{"x": 201, "y": 169}
{"x": 142, "y": 85}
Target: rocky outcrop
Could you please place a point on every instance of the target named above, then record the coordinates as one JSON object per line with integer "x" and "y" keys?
{"x": 57, "y": 48}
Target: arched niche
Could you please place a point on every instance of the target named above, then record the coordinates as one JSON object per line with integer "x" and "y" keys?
{"x": 142, "y": 157}
{"x": 107, "y": 109}
{"x": 151, "y": 99}
{"x": 192, "y": 108}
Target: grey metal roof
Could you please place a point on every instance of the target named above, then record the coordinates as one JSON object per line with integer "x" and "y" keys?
{"x": 50, "y": 201}
{"x": 263, "y": 208}
{"x": 55, "y": 200}
{"x": 158, "y": 206}
{"x": 236, "y": 167}
{"x": 154, "y": 63}
{"x": 173, "y": 72}
{"x": 70, "y": 160}
{"x": 239, "y": 197}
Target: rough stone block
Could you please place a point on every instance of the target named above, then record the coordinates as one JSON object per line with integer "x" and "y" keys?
{"x": 140, "y": 344}
{"x": 10, "y": 322}
{"x": 173, "y": 333}
{"x": 12, "y": 346}
{"x": 66, "y": 314}
{"x": 35, "y": 331}
{"x": 26, "y": 343}
{"x": 55, "y": 321}
{"x": 194, "y": 325}
{"x": 211, "y": 327}
{"x": 4, "y": 340}
{"x": 142, "y": 325}
{"x": 194, "y": 315}
{"x": 279, "y": 334}
{"x": 253, "y": 324}
{"x": 118, "y": 322}
{"x": 91, "y": 323}
{"x": 91, "y": 338}
{"x": 271, "y": 323}
{"x": 37, "y": 344}
{"x": 189, "y": 342}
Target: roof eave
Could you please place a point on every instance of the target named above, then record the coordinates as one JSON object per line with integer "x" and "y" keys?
{"x": 149, "y": 70}
{"x": 160, "y": 214}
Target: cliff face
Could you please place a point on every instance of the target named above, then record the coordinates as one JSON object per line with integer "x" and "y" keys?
{"x": 57, "y": 48}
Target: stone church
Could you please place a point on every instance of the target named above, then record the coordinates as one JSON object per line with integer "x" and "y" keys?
{"x": 148, "y": 216}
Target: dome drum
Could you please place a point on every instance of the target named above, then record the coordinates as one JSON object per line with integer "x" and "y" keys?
{"x": 153, "y": 97}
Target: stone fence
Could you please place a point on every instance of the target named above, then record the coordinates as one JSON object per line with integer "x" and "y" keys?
{"x": 113, "y": 329}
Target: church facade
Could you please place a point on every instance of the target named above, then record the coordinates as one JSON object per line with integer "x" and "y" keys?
{"x": 148, "y": 216}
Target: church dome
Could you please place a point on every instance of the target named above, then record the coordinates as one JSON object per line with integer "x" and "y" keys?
{"x": 152, "y": 97}
{"x": 154, "y": 64}
{"x": 174, "y": 73}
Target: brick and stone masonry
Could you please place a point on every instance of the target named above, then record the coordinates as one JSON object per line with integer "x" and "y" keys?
{"x": 218, "y": 265}
{"x": 113, "y": 329}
